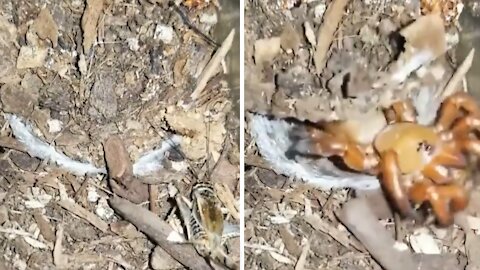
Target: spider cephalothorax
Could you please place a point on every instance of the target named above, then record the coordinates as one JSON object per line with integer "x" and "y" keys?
{"x": 415, "y": 163}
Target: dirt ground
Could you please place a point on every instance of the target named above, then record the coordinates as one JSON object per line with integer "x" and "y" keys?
{"x": 79, "y": 74}
{"x": 280, "y": 232}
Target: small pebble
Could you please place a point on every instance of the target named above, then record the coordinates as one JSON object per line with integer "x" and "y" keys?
{"x": 92, "y": 195}
{"x": 133, "y": 44}
{"x": 103, "y": 210}
{"x": 54, "y": 125}
{"x": 320, "y": 10}
{"x": 164, "y": 33}
{"x": 209, "y": 19}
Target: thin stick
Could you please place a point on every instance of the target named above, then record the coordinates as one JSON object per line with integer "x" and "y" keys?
{"x": 357, "y": 216}
{"x": 212, "y": 65}
{"x": 458, "y": 76}
{"x": 158, "y": 231}
{"x": 153, "y": 192}
{"x": 85, "y": 214}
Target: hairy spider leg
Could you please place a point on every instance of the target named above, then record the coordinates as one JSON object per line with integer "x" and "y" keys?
{"x": 448, "y": 155}
{"x": 321, "y": 143}
{"x": 401, "y": 111}
{"x": 452, "y": 106}
{"x": 445, "y": 200}
{"x": 465, "y": 125}
{"x": 392, "y": 184}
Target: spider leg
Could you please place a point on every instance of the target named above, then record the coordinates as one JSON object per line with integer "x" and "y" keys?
{"x": 321, "y": 143}
{"x": 445, "y": 200}
{"x": 451, "y": 108}
{"x": 465, "y": 125}
{"x": 392, "y": 184}
{"x": 401, "y": 111}
{"x": 471, "y": 145}
{"x": 450, "y": 155}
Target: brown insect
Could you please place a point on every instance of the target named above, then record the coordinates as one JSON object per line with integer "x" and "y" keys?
{"x": 205, "y": 224}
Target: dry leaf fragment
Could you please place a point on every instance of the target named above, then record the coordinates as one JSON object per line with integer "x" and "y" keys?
{"x": 31, "y": 57}
{"x": 281, "y": 258}
{"x": 326, "y": 32}
{"x": 35, "y": 243}
{"x": 120, "y": 170}
{"x": 117, "y": 158}
{"x": 423, "y": 242}
{"x": 425, "y": 40}
{"x": 90, "y": 18}
{"x": 290, "y": 39}
{"x": 45, "y": 27}
{"x": 266, "y": 50}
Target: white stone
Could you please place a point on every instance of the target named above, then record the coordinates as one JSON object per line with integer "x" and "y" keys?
{"x": 54, "y": 125}
{"x": 164, "y": 33}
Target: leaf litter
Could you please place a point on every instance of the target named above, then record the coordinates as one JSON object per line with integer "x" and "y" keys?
{"x": 347, "y": 63}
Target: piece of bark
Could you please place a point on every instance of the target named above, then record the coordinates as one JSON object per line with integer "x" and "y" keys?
{"x": 45, "y": 227}
{"x": 118, "y": 161}
{"x": 90, "y": 18}
{"x": 120, "y": 172}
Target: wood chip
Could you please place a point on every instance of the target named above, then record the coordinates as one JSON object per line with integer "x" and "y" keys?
{"x": 289, "y": 240}
{"x": 117, "y": 158}
{"x": 59, "y": 259}
{"x": 280, "y": 258}
{"x": 331, "y": 19}
{"x": 266, "y": 50}
{"x": 303, "y": 257}
{"x": 45, "y": 227}
{"x": 226, "y": 197}
{"x": 84, "y": 214}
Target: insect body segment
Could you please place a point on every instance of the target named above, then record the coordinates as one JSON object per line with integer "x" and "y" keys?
{"x": 205, "y": 224}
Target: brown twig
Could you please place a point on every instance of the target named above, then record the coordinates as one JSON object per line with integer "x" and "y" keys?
{"x": 357, "y": 216}
{"x": 153, "y": 190}
{"x": 85, "y": 214}
{"x": 158, "y": 231}
{"x": 459, "y": 74}
{"x": 212, "y": 65}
